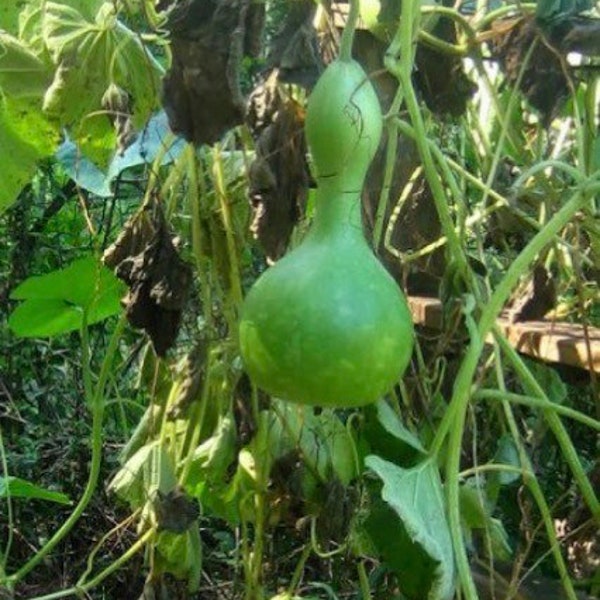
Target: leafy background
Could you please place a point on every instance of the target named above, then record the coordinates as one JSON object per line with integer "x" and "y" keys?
{"x": 107, "y": 449}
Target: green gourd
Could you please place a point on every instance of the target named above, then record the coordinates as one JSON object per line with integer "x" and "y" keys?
{"x": 327, "y": 325}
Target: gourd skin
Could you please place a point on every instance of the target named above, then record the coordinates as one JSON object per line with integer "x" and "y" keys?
{"x": 327, "y": 325}
{"x": 343, "y": 126}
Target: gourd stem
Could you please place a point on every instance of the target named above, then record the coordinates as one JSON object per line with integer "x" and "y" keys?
{"x": 348, "y": 33}
{"x": 336, "y": 211}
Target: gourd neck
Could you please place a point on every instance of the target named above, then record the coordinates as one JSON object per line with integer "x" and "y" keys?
{"x": 337, "y": 214}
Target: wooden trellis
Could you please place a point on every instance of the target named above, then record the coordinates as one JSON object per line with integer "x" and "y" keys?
{"x": 550, "y": 341}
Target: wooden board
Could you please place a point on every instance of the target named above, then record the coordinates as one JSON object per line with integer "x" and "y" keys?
{"x": 550, "y": 341}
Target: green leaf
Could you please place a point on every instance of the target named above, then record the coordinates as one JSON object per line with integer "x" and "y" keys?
{"x": 155, "y": 138}
{"x": 82, "y": 170}
{"x": 549, "y": 380}
{"x": 473, "y": 505}
{"x": 500, "y": 546}
{"x": 322, "y": 439}
{"x": 19, "y": 488}
{"x": 22, "y": 73}
{"x": 476, "y": 511}
{"x": 389, "y": 438}
{"x": 26, "y": 136}
{"x": 148, "y": 470}
{"x": 54, "y": 303}
{"x": 45, "y": 318}
{"x": 181, "y": 556}
{"x": 213, "y": 457}
{"x": 30, "y": 29}
{"x": 18, "y": 159}
{"x": 507, "y": 454}
{"x": 9, "y": 14}
{"x": 550, "y": 10}
{"x": 91, "y": 55}
{"x": 409, "y": 528}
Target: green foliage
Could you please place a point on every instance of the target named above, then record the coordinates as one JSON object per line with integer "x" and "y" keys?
{"x": 15, "y": 487}
{"x": 290, "y": 496}
{"x": 22, "y": 73}
{"x": 27, "y": 137}
{"x": 89, "y": 55}
{"x": 54, "y": 71}
{"x": 409, "y": 528}
{"x": 389, "y": 438}
{"x": 58, "y": 302}
{"x": 151, "y": 144}
{"x": 549, "y": 10}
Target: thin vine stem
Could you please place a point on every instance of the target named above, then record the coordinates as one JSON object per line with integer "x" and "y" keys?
{"x": 568, "y": 450}
{"x": 365, "y": 588}
{"x": 234, "y": 268}
{"x": 532, "y": 483}
{"x": 504, "y": 11}
{"x": 403, "y": 45}
{"x": 9, "y": 510}
{"x": 539, "y": 403}
{"x": 348, "y": 34}
{"x": 299, "y": 570}
{"x": 97, "y": 408}
{"x": 453, "y": 422}
{"x": 79, "y": 590}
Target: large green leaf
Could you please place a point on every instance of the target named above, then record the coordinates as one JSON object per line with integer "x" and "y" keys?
{"x": 15, "y": 487}
{"x": 409, "y": 528}
{"x": 14, "y": 14}
{"x": 55, "y": 303}
{"x": 18, "y": 159}
{"x": 389, "y": 438}
{"x": 90, "y": 55}
{"x": 9, "y": 14}
{"x": 22, "y": 73}
{"x": 26, "y": 136}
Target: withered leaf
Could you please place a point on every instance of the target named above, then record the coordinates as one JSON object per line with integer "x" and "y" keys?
{"x": 201, "y": 90}
{"x": 533, "y": 300}
{"x": 294, "y": 49}
{"x": 279, "y": 177}
{"x": 441, "y": 77}
{"x": 175, "y": 510}
{"x": 192, "y": 373}
{"x": 145, "y": 258}
{"x": 544, "y": 81}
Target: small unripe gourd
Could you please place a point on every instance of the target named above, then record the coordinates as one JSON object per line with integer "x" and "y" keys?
{"x": 327, "y": 325}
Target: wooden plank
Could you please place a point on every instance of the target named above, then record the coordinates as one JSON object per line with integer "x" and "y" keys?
{"x": 339, "y": 12}
{"x": 550, "y": 341}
